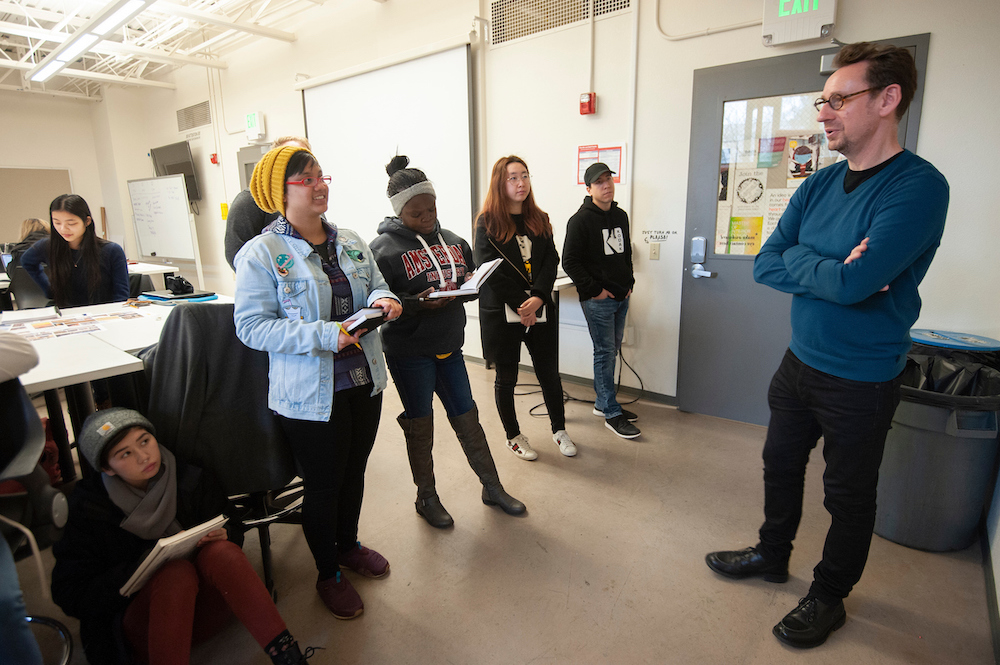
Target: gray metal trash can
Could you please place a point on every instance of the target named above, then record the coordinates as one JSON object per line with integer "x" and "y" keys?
{"x": 939, "y": 466}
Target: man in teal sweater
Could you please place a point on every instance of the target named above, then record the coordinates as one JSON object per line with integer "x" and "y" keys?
{"x": 856, "y": 240}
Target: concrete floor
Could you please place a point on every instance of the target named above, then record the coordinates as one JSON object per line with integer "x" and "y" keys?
{"x": 608, "y": 564}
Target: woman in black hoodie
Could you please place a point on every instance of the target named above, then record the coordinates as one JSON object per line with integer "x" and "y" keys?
{"x": 423, "y": 347}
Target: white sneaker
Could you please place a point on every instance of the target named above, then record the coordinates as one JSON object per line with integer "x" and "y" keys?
{"x": 519, "y": 446}
{"x": 566, "y": 445}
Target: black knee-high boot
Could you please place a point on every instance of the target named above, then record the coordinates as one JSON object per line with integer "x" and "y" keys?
{"x": 419, "y": 434}
{"x": 477, "y": 450}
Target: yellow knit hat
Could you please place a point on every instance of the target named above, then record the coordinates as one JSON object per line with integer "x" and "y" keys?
{"x": 267, "y": 184}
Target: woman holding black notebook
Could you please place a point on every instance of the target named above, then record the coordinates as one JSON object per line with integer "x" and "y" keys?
{"x": 296, "y": 285}
{"x": 423, "y": 347}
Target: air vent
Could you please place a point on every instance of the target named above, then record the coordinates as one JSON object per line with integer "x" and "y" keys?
{"x": 511, "y": 19}
{"x": 194, "y": 116}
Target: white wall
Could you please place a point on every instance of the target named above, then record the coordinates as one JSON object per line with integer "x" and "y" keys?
{"x": 53, "y": 132}
{"x": 531, "y": 95}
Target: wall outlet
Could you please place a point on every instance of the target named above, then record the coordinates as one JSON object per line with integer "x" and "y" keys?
{"x": 654, "y": 251}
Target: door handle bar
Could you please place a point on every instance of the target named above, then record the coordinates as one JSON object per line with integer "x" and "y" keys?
{"x": 698, "y": 270}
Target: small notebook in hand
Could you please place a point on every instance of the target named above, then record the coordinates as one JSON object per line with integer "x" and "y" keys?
{"x": 167, "y": 549}
{"x": 473, "y": 284}
{"x": 364, "y": 320}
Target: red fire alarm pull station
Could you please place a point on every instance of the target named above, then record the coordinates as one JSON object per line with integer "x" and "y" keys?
{"x": 588, "y": 103}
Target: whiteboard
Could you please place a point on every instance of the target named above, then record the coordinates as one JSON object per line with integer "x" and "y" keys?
{"x": 422, "y": 108}
{"x": 163, "y": 227}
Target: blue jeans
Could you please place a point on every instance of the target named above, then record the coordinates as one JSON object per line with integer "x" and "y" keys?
{"x": 17, "y": 643}
{"x": 606, "y": 322}
{"x": 853, "y": 417}
{"x": 417, "y": 378}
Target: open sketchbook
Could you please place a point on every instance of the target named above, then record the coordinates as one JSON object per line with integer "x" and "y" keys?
{"x": 167, "y": 549}
{"x": 473, "y": 284}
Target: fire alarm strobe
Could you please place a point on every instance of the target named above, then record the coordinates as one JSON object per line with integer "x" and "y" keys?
{"x": 588, "y": 103}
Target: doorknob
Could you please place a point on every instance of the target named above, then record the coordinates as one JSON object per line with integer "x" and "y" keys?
{"x": 698, "y": 270}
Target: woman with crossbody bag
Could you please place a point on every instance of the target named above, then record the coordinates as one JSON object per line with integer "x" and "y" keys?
{"x": 514, "y": 304}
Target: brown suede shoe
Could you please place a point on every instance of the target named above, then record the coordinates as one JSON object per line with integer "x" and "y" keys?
{"x": 340, "y": 597}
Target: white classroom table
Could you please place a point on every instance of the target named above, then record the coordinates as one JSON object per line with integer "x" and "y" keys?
{"x": 65, "y": 361}
{"x": 72, "y": 361}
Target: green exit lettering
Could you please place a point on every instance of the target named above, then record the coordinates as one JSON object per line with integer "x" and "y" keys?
{"x": 798, "y": 6}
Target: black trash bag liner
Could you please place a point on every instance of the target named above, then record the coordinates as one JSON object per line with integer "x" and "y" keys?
{"x": 952, "y": 382}
{"x": 988, "y": 358}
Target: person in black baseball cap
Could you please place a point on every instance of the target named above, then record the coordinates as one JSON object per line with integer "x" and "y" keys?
{"x": 597, "y": 255}
{"x": 595, "y": 171}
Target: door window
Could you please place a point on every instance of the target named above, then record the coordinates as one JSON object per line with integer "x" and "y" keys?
{"x": 770, "y": 145}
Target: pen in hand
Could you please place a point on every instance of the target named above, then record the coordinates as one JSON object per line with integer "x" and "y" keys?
{"x": 343, "y": 330}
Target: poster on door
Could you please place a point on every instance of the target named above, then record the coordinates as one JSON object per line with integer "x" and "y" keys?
{"x": 739, "y": 231}
{"x": 803, "y": 157}
{"x": 777, "y": 202}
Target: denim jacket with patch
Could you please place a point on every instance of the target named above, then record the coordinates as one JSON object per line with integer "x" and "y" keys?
{"x": 283, "y": 301}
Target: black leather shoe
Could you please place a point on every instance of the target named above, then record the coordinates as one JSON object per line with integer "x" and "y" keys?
{"x": 809, "y": 624}
{"x": 432, "y": 511}
{"x": 496, "y": 496}
{"x": 747, "y": 563}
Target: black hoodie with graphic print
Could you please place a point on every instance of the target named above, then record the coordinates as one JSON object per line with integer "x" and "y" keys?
{"x": 409, "y": 269}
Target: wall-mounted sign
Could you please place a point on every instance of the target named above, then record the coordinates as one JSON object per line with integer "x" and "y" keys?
{"x": 797, "y": 20}
{"x": 612, "y": 155}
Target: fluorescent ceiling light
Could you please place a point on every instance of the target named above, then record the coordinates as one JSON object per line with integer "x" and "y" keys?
{"x": 77, "y": 47}
{"x": 125, "y": 13}
{"x": 48, "y": 70}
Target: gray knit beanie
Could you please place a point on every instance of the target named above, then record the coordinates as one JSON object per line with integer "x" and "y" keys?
{"x": 102, "y": 427}
{"x": 405, "y": 183}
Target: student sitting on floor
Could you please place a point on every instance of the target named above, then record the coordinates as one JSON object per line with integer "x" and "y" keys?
{"x": 142, "y": 494}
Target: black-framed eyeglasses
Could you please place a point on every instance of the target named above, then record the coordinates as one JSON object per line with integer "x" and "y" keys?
{"x": 310, "y": 182}
{"x": 837, "y": 100}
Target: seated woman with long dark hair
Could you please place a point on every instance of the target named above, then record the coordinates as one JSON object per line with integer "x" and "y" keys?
{"x": 82, "y": 268}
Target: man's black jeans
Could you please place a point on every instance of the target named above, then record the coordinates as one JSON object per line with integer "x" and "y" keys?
{"x": 853, "y": 417}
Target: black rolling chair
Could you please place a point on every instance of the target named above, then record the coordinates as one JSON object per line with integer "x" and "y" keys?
{"x": 208, "y": 401}
{"x": 139, "y": 284}
{"x": 33, "y": 519}
{"x": 27, "y": 294}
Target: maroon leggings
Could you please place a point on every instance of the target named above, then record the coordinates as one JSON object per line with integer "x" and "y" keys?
{"x": 189, "y": 601}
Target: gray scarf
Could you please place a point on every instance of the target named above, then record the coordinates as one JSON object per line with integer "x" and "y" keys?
{"x": 149, "y": 514}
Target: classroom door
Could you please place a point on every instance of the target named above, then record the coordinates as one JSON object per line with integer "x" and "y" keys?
{"x": 754, "y": 139}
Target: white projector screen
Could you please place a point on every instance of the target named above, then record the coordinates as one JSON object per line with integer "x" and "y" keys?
{"x": 419, "y": 108}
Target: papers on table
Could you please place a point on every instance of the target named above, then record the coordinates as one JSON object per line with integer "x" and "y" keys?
{"x": 28, "y": 315}
{"x": 60, "y": 326}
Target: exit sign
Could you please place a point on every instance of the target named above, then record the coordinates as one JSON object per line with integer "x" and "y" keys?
{"x": 255, "y": 126}
{"x": 788, "y": 21}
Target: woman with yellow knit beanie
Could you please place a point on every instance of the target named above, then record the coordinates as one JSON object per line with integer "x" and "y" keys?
{"x": 295, "y": 283}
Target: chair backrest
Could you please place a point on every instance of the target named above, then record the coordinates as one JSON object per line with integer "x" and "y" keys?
{"x": 208, "y": 400}
{"x": 23, "y": 438}
{"x": 139, "y": 284}
{"x": 27, "y": 293}
{"x": 42, "y": 509}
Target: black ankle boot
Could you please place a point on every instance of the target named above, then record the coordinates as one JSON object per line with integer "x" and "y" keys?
{"x": 496, "y": 496}
{"x": 432, "y": 511}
